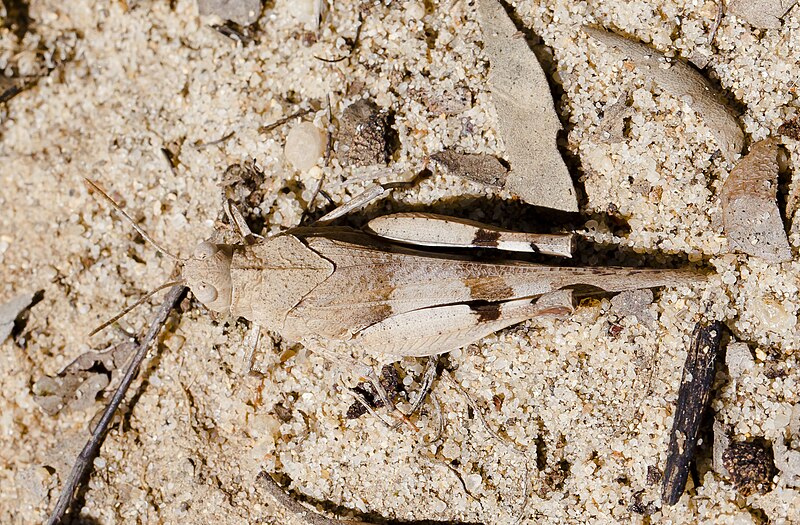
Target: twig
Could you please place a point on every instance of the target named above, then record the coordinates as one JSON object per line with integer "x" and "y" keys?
{"x": 295, "y": 507}
{"x": 201, "y": 145}
{"x": 82, "y": 464}
{"x": 694, "y": 396}
{"x": 717, "y": 21}
{"x": 440, "y": 426}
{"x": 284, "y": 120}
{"x": 353, "y": 45}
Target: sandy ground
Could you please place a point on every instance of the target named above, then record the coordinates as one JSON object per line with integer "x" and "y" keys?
{"x": 589, "y": 399}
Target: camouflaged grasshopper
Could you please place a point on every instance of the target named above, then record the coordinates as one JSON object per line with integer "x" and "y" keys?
{"x": 336, "y": 285}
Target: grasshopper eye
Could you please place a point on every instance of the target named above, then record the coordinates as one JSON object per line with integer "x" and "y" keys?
{"x": 205, "y": 293}
{"x": 205, "y": 250}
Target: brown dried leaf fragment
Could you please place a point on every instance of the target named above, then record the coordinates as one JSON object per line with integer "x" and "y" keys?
{"x": 477, "y": 167}
{"x": 363, "y": 135}
{"x": 763, "y": 14}
{"x": 750, "y": 467}
{"x": 527, "y": 119}
{"x": 750, "y": 214}
{"x": 80, "y": 381}
{"x": 693, "y": 399}
{"x": 682, "y": 81}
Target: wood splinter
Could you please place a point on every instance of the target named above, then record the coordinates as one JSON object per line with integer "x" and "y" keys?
{"x": 693, "y": 399}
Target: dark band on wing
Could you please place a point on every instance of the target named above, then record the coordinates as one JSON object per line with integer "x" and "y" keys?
{"x": 486, "y": 238}
{"x": 487, "y": 312}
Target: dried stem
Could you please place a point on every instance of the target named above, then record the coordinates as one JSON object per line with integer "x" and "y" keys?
{"x": 82, "y": 464}
{"x": 717, "y": 20}
{"x": 293, "y": 506}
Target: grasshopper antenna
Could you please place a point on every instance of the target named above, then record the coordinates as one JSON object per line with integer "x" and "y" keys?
{"x": 94, "y": 187}
{"x": 134, "y": 305}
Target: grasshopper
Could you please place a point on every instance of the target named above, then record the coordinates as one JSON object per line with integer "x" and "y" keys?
{"x": 385, "y": 291}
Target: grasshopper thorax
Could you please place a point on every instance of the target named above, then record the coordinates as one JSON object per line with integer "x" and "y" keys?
{"x": 208, "y": 274}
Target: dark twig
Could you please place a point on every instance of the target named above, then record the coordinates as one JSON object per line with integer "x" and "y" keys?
{"x": 693, "y": 398}
{"x": 82, "y": 464}
{"x": 353, "y": 45}
{"x": 284, "y": 120}
{"x": 201, "y": 145}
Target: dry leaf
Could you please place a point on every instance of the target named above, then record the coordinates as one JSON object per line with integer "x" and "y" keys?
{"x": 750, "y": 212}
{"x": 476, "y": 167}
{"x": 79, "y": 383}
{"x": 527, "y": 119}
{"x": 683, "y": 82}
{"x": 764, "y": 14}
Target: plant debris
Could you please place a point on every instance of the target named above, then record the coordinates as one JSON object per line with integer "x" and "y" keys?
{"x": 693, "y": 399}
{"x": 11, "y": 87}
{"x": 389, "y": 380}
{"x": 763, "y": 14}
{"x": 14, "y": 311}
{"x": 477, "y": 167}
{"x": 242, "y": 12}
{"x": 750, "y": 214}
{"x": 791, "y": 128}
{"x": 242, "y": 183}
{"x": 526, "y": 117}
{"x": 363, "y": 136}
{"x": 86, "y": 457}
{"x": 750, "y": 467}
{"x": 682, "y": 81}
{"x": 79, "y": 383}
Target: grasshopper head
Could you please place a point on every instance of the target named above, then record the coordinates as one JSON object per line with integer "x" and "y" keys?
{"x": 208, "y": 274}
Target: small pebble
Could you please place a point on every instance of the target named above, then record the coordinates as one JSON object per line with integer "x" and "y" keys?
{"x": 305, "y": 144}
